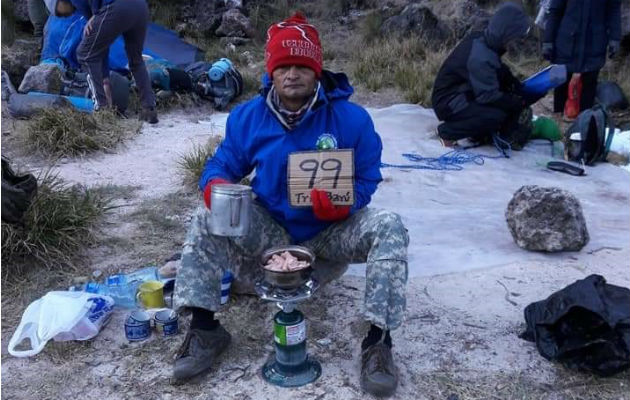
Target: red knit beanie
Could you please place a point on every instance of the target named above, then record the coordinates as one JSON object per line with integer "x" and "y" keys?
{"x": 293, "y": 42}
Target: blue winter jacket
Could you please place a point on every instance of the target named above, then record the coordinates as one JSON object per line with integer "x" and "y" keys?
{"x": 256, "y": 139}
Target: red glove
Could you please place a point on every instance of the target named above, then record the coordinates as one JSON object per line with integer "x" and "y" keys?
{"x": 208, "y": 190}
{"x": 325, "y": 210}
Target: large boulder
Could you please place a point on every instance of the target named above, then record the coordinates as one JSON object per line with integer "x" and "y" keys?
{"x": 46, "y": 78}
{"x": 546, "y": 219}
{"x": 19, "y": 57}
{"x": 417, "y": 19}
{"x": 234, "y": 24}
{"x": 20, "y": 10}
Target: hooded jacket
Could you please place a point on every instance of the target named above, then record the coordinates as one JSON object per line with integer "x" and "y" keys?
{"x": 256, "y": 139}
{"x": 580, "y": 32}
{"x": 474, "y": 71}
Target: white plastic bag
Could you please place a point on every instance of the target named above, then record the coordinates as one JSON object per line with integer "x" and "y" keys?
{"x": 61, "y": 316}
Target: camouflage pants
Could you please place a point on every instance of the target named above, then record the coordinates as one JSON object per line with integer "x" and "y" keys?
{"x": 376, "y": 237}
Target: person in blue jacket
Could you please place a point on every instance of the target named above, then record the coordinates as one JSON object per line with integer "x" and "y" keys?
{"x": 108, "y": 19}
{"x": 301, "y": 108}
{"x": 578, "y": 33}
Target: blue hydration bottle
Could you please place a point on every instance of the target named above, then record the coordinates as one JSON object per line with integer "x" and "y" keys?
{"x": 219, "y": 68}
{"x": 545, "y": 80}
{"x": 123, "y": 287}
{"x": 123, "y": 295}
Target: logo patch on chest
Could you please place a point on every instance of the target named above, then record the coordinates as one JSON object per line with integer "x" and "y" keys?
{"x": 326, "y": 141}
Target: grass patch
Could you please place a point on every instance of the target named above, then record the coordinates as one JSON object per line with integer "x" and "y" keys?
{"x": 409, "y": 64}
{"x": 174, "y": 100}
{"x": 371, "y": 27}
{"x": 165, "y": 12}
{"x": 191, "y": 164}
{"x": 69, "y": 132}
{"x": 59, "y": 223}
{"x": 263, "y": 14}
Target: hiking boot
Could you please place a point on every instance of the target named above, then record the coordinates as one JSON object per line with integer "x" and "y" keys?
{"x": 149, "y": 115}
{"x": 378, "y": 372}
{"x": 200, "y": 351}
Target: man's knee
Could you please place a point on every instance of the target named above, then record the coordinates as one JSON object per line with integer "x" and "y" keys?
{"x": 391, "y": 230}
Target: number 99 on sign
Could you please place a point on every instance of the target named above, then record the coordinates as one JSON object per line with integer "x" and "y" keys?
{"x": 331, "y": 171}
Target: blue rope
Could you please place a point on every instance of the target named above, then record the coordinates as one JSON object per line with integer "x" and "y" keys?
{"x": 454, "y": 159}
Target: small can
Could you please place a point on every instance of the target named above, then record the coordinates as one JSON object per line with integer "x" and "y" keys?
{"x": 138, "y": 326}
{"x": 166, "y": 322}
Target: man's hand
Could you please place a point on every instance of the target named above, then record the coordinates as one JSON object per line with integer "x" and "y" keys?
{"x": 613, "y": 48}
{"x": 325, "y": 210}
{"x": 88, "y": 27}
{"x": 547, "y": 51}
{"x": 207, "y": 192}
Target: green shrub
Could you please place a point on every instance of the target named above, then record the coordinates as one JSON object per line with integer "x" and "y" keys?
{"x": 59, "y": 223}
{"x": 409, "y": 64}
{"x": 67, "y": 132}
{"x": 191, "y": 164}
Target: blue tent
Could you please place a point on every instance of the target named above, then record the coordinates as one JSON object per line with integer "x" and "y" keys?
{"x": 63, "y": 35}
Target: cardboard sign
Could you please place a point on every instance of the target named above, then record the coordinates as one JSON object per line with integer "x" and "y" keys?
{"x": 331, "y": 170}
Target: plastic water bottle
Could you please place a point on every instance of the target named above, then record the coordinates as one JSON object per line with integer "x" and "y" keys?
{"x": 123, "y": 287}
{"x": 123, "y": 295}
{"x": 219, "y": 68}
{"x": 142, "y": 275}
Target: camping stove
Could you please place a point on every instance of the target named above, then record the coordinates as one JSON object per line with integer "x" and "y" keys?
{"x": 291, "y": 366}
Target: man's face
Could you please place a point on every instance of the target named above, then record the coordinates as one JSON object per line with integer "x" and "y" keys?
{"x": 64, "y": 8}
{"x": 294, "y": 83}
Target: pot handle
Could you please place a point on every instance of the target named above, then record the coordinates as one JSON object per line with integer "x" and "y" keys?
{"x": 235, "y": 211}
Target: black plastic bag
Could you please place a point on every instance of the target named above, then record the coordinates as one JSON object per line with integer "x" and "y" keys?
{"x": 610, "y": 95}
{"x": 585, "y": 326}
{"x": 17, "y": 193}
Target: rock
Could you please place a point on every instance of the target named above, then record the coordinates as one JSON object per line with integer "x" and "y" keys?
{"x": 46, "y": 78}
{"x": 19, "y": 57}
{"x": 20, "y": 10}
{"x": 546, "y": 219}
{"x": 419, "y": 19}
{"x": 235, "y": 24}
{"x": 469, "y": 17}
{"x": 234, "y": 41}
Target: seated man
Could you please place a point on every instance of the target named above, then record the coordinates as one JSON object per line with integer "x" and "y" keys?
{"x": 302, "y": 108}
{"x": 474, "y": 92}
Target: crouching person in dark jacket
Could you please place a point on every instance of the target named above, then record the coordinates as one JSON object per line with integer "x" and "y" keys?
{"x": 474, "y": 92}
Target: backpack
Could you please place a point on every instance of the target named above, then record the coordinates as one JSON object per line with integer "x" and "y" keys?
{"x": 221, "y": 91}
{"x": 586, "y": 140}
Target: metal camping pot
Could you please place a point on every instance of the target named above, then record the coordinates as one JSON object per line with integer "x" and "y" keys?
{"x": 290, "y": 279}
{"x": 231, "y": 209}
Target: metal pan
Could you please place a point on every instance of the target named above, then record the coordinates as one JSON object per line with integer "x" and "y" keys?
{"x": 292, "y": 279}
